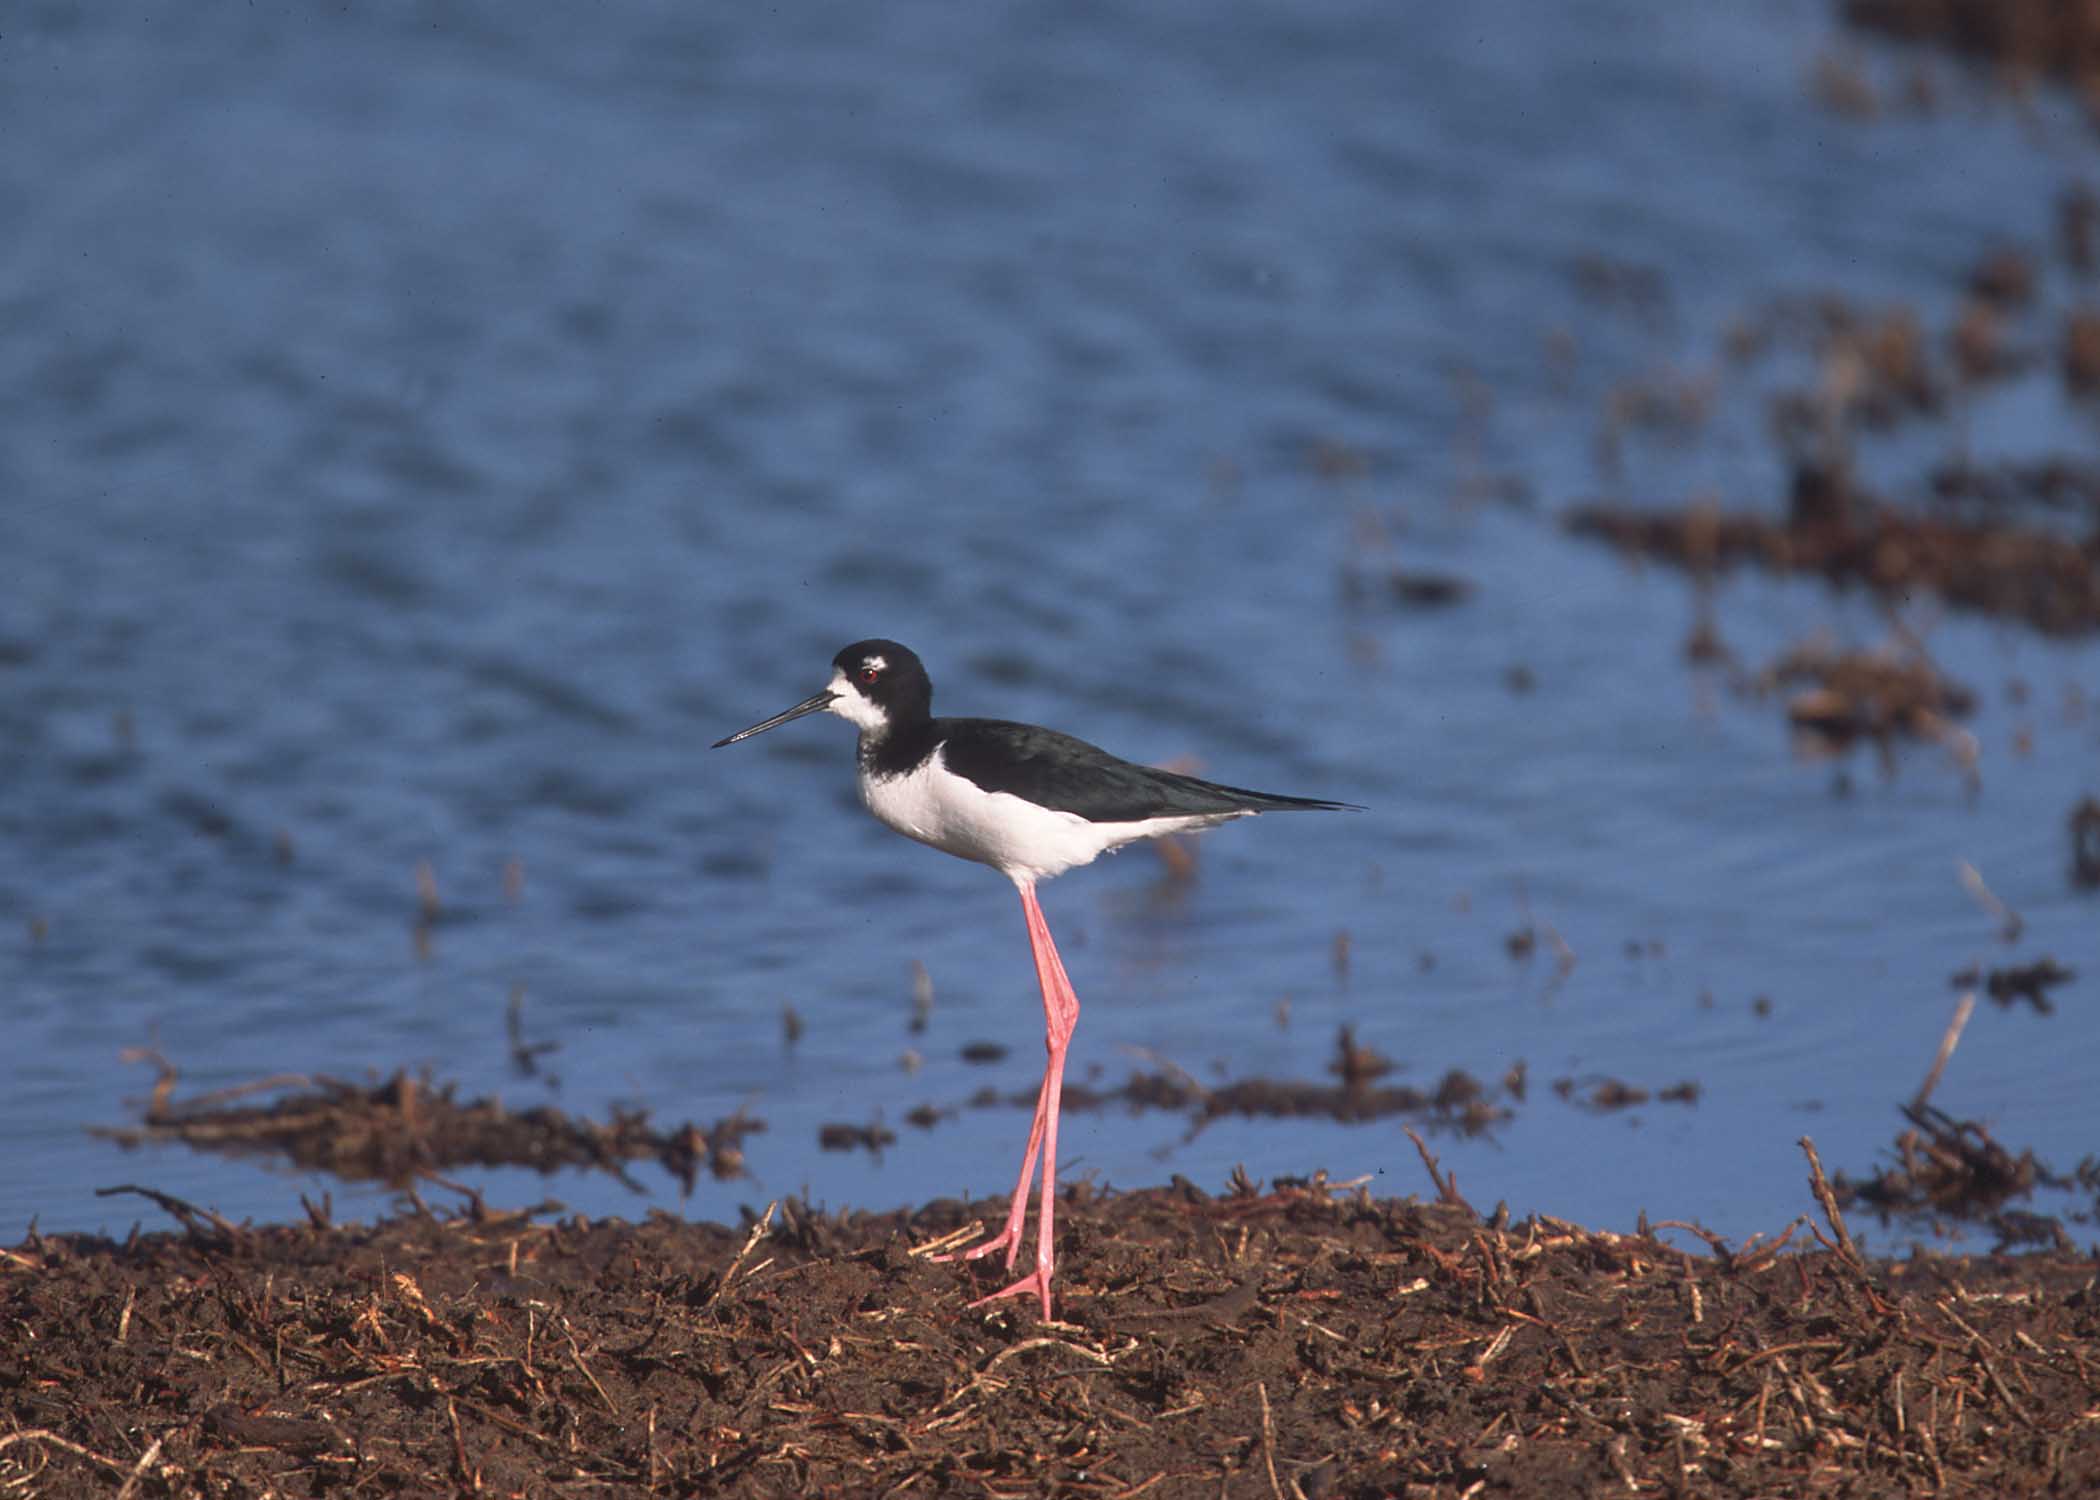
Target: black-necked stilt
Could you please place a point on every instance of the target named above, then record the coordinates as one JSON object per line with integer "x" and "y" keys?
{"x": 1029, "y": 802}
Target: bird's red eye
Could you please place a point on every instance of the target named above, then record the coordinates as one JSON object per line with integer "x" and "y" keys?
{"x": 869, "y": 674}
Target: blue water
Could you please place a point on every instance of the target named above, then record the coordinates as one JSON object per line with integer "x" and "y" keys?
{"x": 424, "y": 428}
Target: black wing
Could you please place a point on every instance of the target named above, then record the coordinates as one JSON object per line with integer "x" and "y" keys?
{"x": 1057, "y": 771}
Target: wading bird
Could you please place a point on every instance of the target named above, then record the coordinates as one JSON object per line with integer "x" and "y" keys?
{"x": 1031, "y": 803}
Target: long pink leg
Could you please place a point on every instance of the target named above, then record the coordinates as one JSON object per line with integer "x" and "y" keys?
{"x": 1061, "y": 1015}
{"x": 1009, "y": 1238}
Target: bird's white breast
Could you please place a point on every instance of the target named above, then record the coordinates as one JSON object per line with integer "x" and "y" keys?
{"x": 1023, "y": 841}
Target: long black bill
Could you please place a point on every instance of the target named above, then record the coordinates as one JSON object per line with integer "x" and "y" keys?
{"x": 814, "y": 705}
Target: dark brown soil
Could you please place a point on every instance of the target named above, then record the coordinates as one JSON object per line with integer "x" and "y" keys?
{"x": 1304, "y": 1341}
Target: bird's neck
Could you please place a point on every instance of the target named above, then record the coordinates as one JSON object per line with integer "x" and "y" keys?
{"x": 890, "y": 749}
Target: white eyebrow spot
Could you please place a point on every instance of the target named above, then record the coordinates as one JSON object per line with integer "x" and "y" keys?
{"x": 875, "y": 663}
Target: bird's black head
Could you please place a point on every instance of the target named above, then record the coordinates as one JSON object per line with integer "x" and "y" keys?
{"x": 876, "y": 686}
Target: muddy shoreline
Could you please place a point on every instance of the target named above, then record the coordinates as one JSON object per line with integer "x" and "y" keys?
{"x": 1302, "y": 1339}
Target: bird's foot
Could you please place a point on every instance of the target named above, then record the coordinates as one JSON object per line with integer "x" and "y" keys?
{"x": 1036, "y": 1281}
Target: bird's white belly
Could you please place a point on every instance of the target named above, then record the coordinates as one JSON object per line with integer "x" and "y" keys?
{"x": 1023, "y": 841}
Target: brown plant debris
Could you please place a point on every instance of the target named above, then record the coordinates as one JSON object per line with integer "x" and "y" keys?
{"x": 1607, "y": 1095}
{"x": 2057, "y": 37}
{"x": 1459, "y": 1101}
{"x": 2017, "y": 982}
{"x": 871, "y": 1138}
{"x": 1844, "y": 696}
{"x": 1305, "y": 1340}
{"x": 2050, "y": 484}
{"x": 407, "y": 1128}
{"x": 1415, "y": 590}
{"x": 2084, "y": 826}
{"x": 1837, "y": 530}
{"x": 1949, "y": 1167}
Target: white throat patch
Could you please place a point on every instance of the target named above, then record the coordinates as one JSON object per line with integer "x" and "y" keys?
{"x": 848, "y": 703}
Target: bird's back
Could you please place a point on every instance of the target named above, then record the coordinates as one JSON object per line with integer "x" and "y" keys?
{"x": 1066, "y": 774}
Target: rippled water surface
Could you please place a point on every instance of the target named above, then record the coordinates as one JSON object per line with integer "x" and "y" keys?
{"x": 423, "y": 429}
